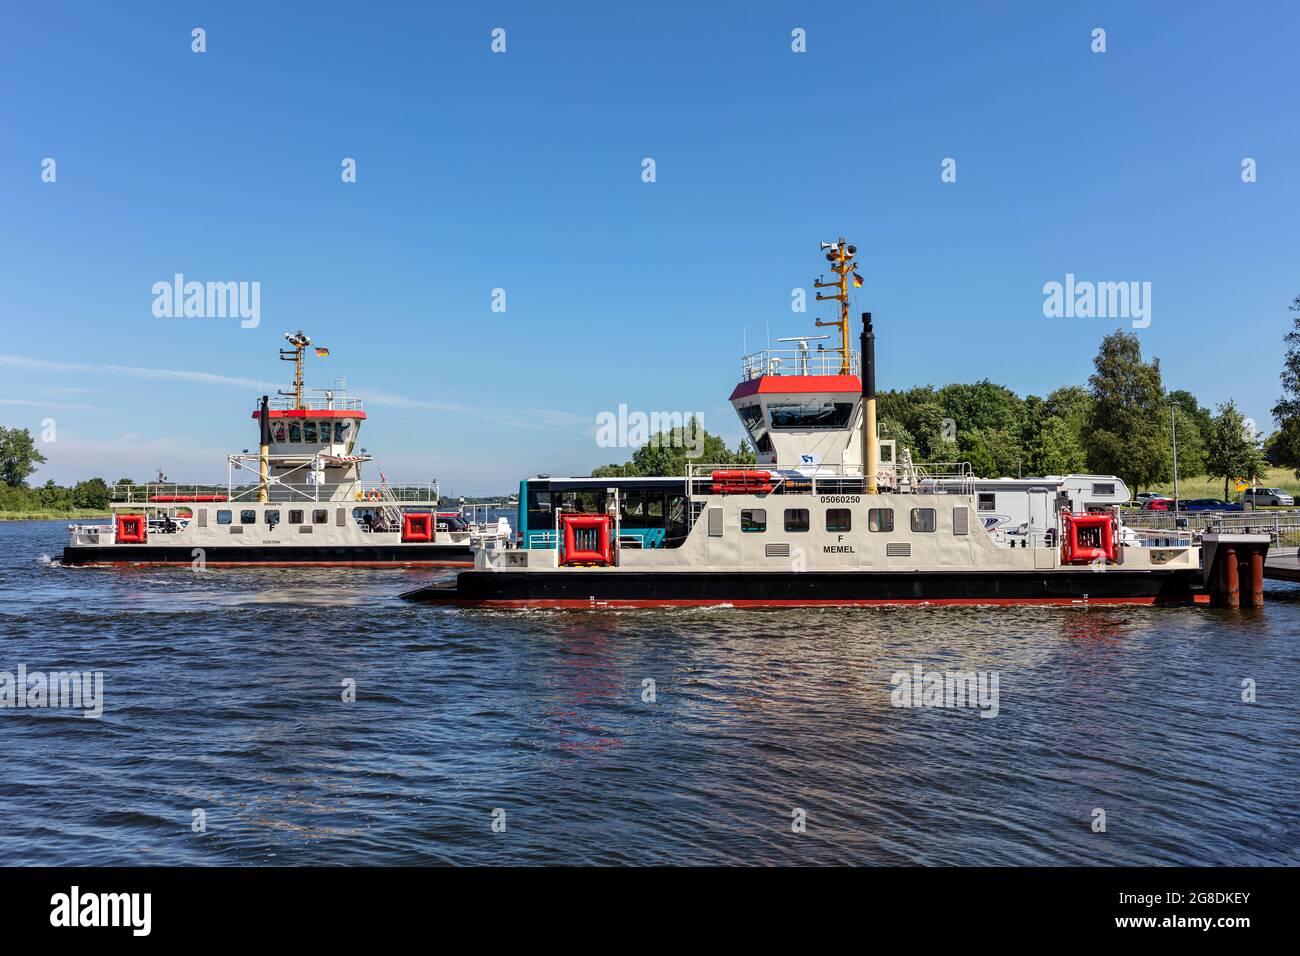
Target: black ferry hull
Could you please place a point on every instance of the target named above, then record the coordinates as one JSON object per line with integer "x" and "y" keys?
{"x": 372, "y": 556}
{"x": 588, "y": 589}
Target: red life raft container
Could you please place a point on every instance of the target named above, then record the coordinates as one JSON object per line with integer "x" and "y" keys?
{"x": 742, "y": 483}
{"x": 586, "y": 539}
{"x": 131, "y": 529}
{"x": 417, "y": 526}
{"x": 1086, "y": 538}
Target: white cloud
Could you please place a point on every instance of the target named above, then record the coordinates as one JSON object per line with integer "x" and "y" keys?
{"x": 526, "y": 417}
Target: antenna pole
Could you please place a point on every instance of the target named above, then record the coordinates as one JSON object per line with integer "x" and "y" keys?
{"x": 299, "y": 341}
{"x": 841, "y": 257}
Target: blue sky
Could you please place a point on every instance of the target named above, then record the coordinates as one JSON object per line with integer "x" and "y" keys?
{"x": 522, "y": 171}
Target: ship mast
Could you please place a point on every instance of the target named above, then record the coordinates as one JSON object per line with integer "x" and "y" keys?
{"x": 299, "y": 341}
{"x": 840, "y": 255}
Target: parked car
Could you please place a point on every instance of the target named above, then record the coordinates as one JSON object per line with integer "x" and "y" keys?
{"x": 1142, "y": 497}
{"x": 1210, "y": 504}
{"x": 1158, "y": 504}
{"x": 1267, "y": 496}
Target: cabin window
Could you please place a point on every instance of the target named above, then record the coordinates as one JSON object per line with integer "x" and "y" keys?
{"x": 796, "y": 519}
{"x": 839, "y": 519}
{"x": 271, "y": 517}
{"x": 295, "y": 433}
{"x": 753, "y": 519}
{"x": 923, "y": 519}
{"x": 751, "y": 415}
{"x": 278, "y": 432}
{"x": 320, "y": 516}
{"x": 223, "y": 516}
{"x": 342, "y": 431}
{"x": 880, "y": 519}
{"x": 248, "y": 516}
{"x": 675, "y": 518}
{"x": 309, "y": 432}
{"x": 802, "y": 416}
{"x": 1108, "y": 488}
{"x": 764, "y": 444}
{"x": 295, "y": 516}
{"x": 987, "y": 501}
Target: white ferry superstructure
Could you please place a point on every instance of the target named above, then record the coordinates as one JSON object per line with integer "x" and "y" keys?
{"x": 300, "y": 501}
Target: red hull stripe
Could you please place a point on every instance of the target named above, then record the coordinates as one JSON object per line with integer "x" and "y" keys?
{"x": 779, "y": 384}
{"x": 578, "y": 603}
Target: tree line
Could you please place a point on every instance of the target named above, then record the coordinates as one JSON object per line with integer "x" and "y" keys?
{"x": 1121, "y": 424}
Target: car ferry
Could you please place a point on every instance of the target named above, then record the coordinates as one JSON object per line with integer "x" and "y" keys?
{"x": 300, "y": 502}
{"x": 830, "y": 514}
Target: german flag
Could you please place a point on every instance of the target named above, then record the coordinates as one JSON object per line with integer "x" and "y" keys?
{"x": 321, "y": 353}
{"x": 857, "y": 281}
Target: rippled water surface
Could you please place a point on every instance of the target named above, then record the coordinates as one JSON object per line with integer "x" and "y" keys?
{"x": 223, "y": 693}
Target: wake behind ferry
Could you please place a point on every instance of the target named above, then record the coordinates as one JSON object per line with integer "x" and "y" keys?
{"x": 832, "y": 515}
{"x": 301, "y": 501}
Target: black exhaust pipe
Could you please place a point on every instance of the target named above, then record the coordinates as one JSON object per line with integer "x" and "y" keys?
{"x": 870, "y": 452}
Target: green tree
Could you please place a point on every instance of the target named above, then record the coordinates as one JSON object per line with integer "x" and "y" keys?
{"x": 19, "y": 457}
{"x": 1233, "y": 448}
{"x": 1286, "y": 446}
{"x": 1055, "y": 448}
{"x": 983, "y": 406}
{"x": 1127, "y": 429}
{"x": 1191, "y": 443}
{"x": 92, "y": 493}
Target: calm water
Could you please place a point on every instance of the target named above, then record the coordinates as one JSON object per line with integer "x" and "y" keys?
{"x": 223, "y": 693}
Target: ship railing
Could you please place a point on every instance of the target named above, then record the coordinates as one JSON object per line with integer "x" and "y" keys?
{"x": 151, "y": 492}
{"x": 950, "y": 478}
{"x": 797, "y": 362}
{"x": 314, "y": 404}
{"x": 280, "y": 492}
{"x": 1281, "y": 525}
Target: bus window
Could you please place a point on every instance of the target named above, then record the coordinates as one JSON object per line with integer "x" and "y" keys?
{"x": 540, "y": 515}
{"x": 634, "y": 511}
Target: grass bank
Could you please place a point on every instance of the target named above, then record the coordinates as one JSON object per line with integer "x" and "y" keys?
{"x": 1205, "y": 487}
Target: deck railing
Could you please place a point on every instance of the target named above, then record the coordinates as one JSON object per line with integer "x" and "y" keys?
{"x": 796, "y": 362}
{"x": 358, "y": 492}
